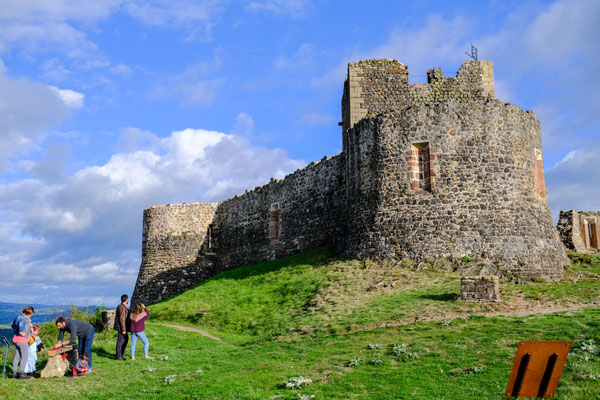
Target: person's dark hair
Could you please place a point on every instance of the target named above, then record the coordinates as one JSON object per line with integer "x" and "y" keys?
{"x": 60, "y": 320}
{"x": 85, "y": 357}
{"x": 28, "y": 310}
{"x": 124, "y": 297}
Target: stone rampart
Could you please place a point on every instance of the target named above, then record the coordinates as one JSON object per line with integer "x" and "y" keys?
{"x": 436, "y": 170}
{"x": 185, "y": 244}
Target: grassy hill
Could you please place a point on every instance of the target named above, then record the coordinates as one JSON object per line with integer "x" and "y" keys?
{"x": 357, "y": 329}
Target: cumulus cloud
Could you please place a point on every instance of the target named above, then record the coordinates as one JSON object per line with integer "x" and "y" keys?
{"x": 71, "y": 98}
{"x": 244, "y": 125}
{"x": 88, "y": 225}
{"x": 28, "y": 110}
{"x": 573, "y": 182}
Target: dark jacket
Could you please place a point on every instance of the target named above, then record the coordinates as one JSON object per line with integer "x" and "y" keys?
{"x": 121, "y": 318}
{"x": 77, "y": 329}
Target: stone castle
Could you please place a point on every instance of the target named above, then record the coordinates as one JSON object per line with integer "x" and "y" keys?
{"x": 427, "y": 171}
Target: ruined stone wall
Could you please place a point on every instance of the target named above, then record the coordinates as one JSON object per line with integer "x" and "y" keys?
{"x": 185, "y": 244}
{"x": 580, "y": 230}
{"x": 482, "y": 289}
{"x": 444, "y": 170}
{"x": 172, "y": 237}
{"x": 298, "y": 213}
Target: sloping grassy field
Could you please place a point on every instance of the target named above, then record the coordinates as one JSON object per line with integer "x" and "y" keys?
{"x": 357, "y": 329}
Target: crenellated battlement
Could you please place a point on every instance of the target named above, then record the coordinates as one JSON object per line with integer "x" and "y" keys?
{"x": 378, "y": 86}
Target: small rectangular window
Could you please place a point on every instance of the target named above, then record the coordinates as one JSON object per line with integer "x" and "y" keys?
{"x": 540, "y": 181}
{"x": 590, "y": 233}
{"x": 420, "y": 166}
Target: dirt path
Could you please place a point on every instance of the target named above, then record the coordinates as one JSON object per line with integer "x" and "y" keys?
{"x": 189, "y": 329}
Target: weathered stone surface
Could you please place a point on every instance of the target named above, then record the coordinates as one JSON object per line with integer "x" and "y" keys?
{"x": 580, "y": 230}
{"x": 480, "y": 289}
{"x": 108, "y": 319}
{"x": 436, "y": 170}
{"x": 55, "y": 366}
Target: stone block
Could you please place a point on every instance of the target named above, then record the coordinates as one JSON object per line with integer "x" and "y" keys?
{"x": 480, "y": 289}
{"x": 108, "y": 319}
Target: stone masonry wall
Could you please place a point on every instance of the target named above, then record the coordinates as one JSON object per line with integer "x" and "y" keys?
{"x": 177, "y": 252}
{"x": 580, "y": 230}
{"x": 308, "y": 209}
{"x": 436, "y": 170}
{"x": 480, "y": 289}
{"x": 172, "y": 237}
{"x": 478, "y": 193}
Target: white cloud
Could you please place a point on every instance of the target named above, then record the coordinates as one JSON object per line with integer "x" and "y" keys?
{"x": 573, "y": 182}
{"x": 196, "y": 17}
{"x": 121, "y": 70}
{"x": 87, "y": 226}
{"x": 71, "y": 98}
{"x": 28, "y": 110}
{"x": 55, "y": 70}
{"x": 134, "y": 139}
{"x": 244, "y": 125}
{"x": 439, "y": 42}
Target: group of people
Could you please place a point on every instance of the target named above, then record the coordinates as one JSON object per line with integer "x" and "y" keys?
{"x": 130, "y": 321}
{"x": 28, "y": 342}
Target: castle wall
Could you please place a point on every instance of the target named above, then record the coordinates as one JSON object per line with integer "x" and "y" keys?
{"x": 298, "y": 213}
{"x": 580, "y": 230}
{"x": 184, "y": 244}
{"x": 436, "y": 170}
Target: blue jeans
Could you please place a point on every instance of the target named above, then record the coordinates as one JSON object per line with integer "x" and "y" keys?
{"x": 85, "y": 347}
{"x": 143, "y": 338}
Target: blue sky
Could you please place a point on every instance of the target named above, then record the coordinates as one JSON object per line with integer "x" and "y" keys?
{"x": 110, "y": 106}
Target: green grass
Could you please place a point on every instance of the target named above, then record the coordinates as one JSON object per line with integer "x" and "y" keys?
{"x": 309, "y": 315}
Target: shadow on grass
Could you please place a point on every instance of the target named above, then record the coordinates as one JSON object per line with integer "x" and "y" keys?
{"x": 100, "y": 352}
{"x": 441, "y": 297}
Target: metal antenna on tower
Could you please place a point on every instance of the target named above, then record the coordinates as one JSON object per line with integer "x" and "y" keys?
{"x": 473, "y": 54}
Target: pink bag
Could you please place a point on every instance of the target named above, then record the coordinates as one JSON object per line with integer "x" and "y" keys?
{"x": 19, "y": 339}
